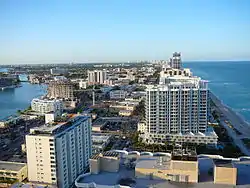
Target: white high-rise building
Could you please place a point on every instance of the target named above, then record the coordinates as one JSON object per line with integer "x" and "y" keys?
{"x": 97, "y": 77}
{"x": 175, "y": 61}
{"x": 44, "y": 106}
{"x": 176, "y": 110}
{"x": 57, "y": 154}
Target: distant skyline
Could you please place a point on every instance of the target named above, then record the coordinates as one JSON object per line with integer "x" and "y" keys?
{"x": 123, "y": 30}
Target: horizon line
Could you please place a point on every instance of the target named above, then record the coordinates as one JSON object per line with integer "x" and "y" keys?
{"x": 116, "y": 62}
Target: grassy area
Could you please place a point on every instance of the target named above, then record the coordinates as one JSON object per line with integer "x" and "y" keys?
{"x": 229, "y": 150}
{"x": 138, "y": 145}
{"x": 105, "y": 112}
{"x": 7, "y": 180}
{"x": 26, "y": 111}
{"x": 246, "y": 141}
{"x": 140, "y": 110}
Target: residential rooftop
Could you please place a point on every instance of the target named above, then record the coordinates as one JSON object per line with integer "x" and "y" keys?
{"x": 11, "y": 166}
{"x": 105, "y": 154}
{"x": 162, "y": 162}
{"x": 58, "y": 127}
{"x": 205, "y": 180}
{"x": 184, "y": 154}
{"x": 223, "y": 163}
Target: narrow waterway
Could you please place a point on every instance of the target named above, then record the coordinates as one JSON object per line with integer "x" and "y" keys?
{"x": 19, "y": 98}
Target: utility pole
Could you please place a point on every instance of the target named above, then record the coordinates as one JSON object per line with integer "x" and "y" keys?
{"x": 93, "y": 95}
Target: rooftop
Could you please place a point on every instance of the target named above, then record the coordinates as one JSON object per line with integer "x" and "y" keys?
{"x": 160, "y": 162}
{"x": 12, "y": 166}
{"x": 223, "y": 163}
{"x": 184, "y": 154}
{"x": 106, "y": 154}
{"x": 59, "y": 127}
{"x": 206, "y": 181}
{"x": 109, "y": 178}
{"x": 110, "y": 154}
{"x": 100, "y": 137}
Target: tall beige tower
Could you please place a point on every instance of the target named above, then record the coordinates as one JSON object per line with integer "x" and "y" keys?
{"x": 57, "y": 154}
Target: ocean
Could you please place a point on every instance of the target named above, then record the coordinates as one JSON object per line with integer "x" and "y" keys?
{"x": 230, "y": 81}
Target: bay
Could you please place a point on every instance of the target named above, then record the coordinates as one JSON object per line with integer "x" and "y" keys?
{"x": 19, "y": 98}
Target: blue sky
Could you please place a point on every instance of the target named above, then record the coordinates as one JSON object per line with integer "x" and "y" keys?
{"x": 50, "y": 31}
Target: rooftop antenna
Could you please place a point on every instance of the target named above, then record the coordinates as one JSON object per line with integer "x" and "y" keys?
{"x": 93, "y": 95}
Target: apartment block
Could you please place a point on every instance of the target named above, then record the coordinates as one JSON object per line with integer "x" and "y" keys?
{"x": 57, "y": 153}
{"x": 44, "y": 106}
{"x": 117, "y": 94}
{"x": 176, "y": 110}
{"x": 97, "y": 77}
{"x": 61, "y": 89}
{"x": 13, "y": 171}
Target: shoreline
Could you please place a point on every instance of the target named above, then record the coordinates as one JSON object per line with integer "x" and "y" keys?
{"x": 16, "y": 114}
{"x": 237, "y": 124}
{"x": 239, "y": 117}
{"x": 10, "y": 87}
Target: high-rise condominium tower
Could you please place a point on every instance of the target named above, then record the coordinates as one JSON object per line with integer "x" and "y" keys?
{"x": 177, "y": 109}
{"x": 57, "y": 154}
{"x": 97, "y": 76}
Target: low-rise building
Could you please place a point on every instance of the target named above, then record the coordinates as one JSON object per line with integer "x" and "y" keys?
{"x": 181, "y": 166}
{"x": 13, "y": 171}
{"x": 98, "y": 125}
{"x": 99, "y": 142}
{"x": 124, "y": 107}
{"x": 107, "y": 162}
{"x": 209, "y": 137}
{"x": 57, "y": 71}
{"x": 83, "y": 84}
{"x": 141, "y": 127}
{"x": 117, "y": 94}
{"x": 160, "y": 169}
{"x": 125, "y": 112}
{"x": 60, "y": 78}
{"x": 50, "y": 117}
{"x": 224, "y": 172}
{"x": 44, "y": 106}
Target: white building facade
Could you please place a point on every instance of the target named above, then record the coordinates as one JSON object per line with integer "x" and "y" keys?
{"x": 57, "y": 154}
{"x": 176, "y": 110}
{"x": 44, "y": 106}
{"x": 97, "y": 77}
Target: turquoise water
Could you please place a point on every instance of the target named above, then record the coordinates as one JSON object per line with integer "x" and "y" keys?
{"x": 230, "y": 81}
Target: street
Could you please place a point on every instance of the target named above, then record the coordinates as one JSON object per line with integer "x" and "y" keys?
{"x": 236, "y": 122}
